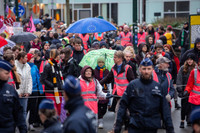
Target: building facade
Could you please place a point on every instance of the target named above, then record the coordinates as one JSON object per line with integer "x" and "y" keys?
{"x": 170, "y": 8}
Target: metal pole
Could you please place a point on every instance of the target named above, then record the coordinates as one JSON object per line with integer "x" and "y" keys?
{"x": 5, "y": 14}
{"x": 135, "y": 24}
{"x": 16, "y": 10}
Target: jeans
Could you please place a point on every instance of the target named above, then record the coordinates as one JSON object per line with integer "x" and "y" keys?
{"x": 24, "y": 101}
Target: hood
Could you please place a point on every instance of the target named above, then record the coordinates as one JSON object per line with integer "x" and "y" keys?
{"x": 83, "y": 72}
{"x": 195, "y": 43}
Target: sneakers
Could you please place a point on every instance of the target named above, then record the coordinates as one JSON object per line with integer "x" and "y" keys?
{"x": 100, "y": 126}
{"x": 31, "y": 128}
{"x": 182, "y": 125}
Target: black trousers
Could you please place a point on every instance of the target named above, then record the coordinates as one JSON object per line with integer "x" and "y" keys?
{"x": 33, "y": 104}
{"x": 135, "y": 130}
{"x": 185, "y": 109}
{"x": 102, "y": 109}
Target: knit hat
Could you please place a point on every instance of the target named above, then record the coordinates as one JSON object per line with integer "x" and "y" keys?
{"x": 5, "y": 65}
{"x": 46, "y": 104}
{"x": 101, "y": 59}
{"x": 72, "y": 85}
{"x": 58, "y": 45}
{"x": 103, "y": 43}
{"x": 191, "y": 56}
{"x": 162, "y": 60}
{"x": 146, "y": 62}
{"x": 29, "y": 57}
{"x": 195, "y": 115}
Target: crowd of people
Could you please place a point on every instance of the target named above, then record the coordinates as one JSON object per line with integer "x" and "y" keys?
{"x": 139, "y": 88}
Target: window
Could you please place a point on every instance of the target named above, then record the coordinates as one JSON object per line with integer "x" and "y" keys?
{"x": 169, "y": 6}
{"x": 95, "y": 10}
{"x": 176, "y": 9}
{"x": 182, "y": 6}
{"x": 114, "y": 12}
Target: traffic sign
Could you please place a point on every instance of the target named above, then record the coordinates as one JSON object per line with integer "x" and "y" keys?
{"x": 21, "y": 10}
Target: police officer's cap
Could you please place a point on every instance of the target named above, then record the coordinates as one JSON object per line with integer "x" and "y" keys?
{"x": 195, "y": 115}
{"x": 5, "y": 65}
{"x": 46, "y": 104}
{"x": 146, "y": 62}
{"x": 72, "y": 85}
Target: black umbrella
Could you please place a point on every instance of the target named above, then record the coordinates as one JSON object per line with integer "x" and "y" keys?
{"x": 23, "y": 37}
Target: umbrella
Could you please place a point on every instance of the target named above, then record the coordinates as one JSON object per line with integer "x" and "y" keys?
{"x": 10, "y": 44}
{"x": 91, "y": 58}
{"x": 2, "y": 42}
{"x": 37, "y": 21}
{"x": 23, "y": 37}
{"x": 90, "y": 25}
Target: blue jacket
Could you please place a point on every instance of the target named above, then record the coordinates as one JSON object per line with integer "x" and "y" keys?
{"x": 81, "y": 119}
{"x": 164, "y": 82}
{"x": 52, "y": 126}
{"x": 147, "y": 105}
{"x": 37, "y": 86}
{"x": 11, "y": 112}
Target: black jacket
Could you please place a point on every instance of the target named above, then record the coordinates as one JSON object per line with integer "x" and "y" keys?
{"x": 47, "y": 78}
{"x": 78, "y": 55}
{"x": 71, "y": 68}
{"x": 164, "y": 82}
{"x": 133, "y": 65}
{"x": 52, "y": 126}
{"x": 181, "y": 82}
{"x": 11, "y": 112}
{"x": 55, "y": 41}
{"x": 186, "y": 39}
{"x": 38, "y": 62}
{"x": 195, "y": 51}
{"x": 81, "y": 119}
{"x": 147, "y": 105}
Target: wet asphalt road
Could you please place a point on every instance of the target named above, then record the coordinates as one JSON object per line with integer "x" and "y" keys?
{"x": 109, "y": 118}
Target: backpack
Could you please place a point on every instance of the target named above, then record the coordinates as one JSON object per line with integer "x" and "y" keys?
{"x": 77, "y": 68}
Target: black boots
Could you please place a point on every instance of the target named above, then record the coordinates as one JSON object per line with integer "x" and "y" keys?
{"x": 177, "y": 106}
{"x": 182, "y": 125}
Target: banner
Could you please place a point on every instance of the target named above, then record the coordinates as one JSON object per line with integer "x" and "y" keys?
{"x": 194, "y": 29}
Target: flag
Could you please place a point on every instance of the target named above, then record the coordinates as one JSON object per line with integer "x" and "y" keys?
{"x": 2, "y": 26}
{"x": 31, "y": 26}
{"x": 11, "y": 14}
{"x": 9, "y": 21}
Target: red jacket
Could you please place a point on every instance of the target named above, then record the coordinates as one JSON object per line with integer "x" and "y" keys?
{"x": 193, "y": 87}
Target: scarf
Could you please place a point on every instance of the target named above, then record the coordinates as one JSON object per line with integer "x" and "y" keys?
{"x": 101, "y": 70}
{"x": 56, "y": 93}
{"x": 182, "y": 37}
{"x": 101, "y": 75}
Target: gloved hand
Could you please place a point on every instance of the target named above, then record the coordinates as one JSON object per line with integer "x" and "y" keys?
{"x": 168, "y": 97}
{"x": 185, "y": 93}
{"x": 108, "y": 96}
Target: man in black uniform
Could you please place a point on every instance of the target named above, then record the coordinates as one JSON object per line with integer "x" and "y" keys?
{"x": 11, "y": 112}
{"x": 81, "y": 119}
{"x": 146, "y": 103}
